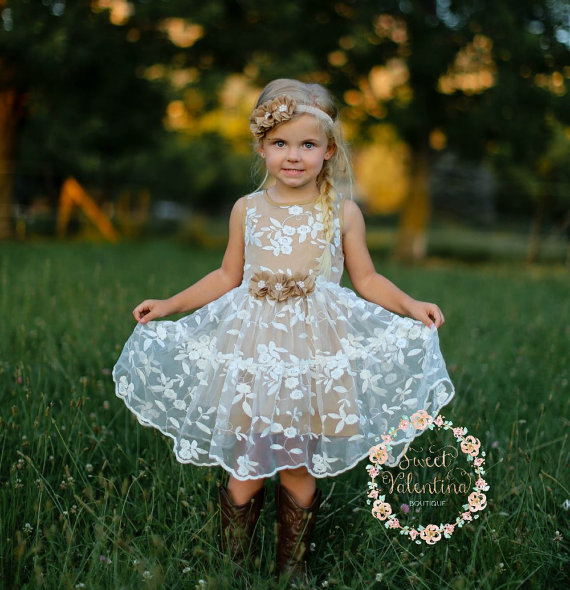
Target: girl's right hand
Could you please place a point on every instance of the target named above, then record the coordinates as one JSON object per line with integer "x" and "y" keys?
{"x": 150, "y": 309}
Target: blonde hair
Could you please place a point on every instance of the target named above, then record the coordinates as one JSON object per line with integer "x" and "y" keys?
{"x": 335, "y": 168}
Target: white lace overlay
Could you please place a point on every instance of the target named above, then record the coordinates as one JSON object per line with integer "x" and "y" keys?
{"x": 257, "y": 385}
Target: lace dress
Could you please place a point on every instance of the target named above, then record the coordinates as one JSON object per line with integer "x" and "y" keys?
{"x": 287, "y": 369}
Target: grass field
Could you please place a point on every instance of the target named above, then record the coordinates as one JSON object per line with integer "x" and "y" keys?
{"x": 90, "y": 499}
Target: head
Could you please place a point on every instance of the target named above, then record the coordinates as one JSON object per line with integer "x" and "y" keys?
{"x": 284, "y": 100}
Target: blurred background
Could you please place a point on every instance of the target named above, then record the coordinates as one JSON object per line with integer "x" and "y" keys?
{"x": 129, "y": 119}
{"x": 124, "y": 142}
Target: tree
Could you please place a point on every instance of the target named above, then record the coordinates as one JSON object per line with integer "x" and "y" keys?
{"x": 483, "y": 78}
{"x": 478, "y": 77}
{"x": 72, "y": 97}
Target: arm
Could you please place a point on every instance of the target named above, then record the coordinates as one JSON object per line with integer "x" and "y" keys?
{"x": 373, "y": 286}
{"x": 212, "y": 286}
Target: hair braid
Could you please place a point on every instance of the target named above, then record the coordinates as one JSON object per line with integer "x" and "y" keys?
{"x": 326, "y": 199}
{"x": 327, "y": 195}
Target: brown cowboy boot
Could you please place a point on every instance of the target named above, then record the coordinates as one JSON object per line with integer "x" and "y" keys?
{"x": 294, "y": 528}
{"x": 238, "y": 523}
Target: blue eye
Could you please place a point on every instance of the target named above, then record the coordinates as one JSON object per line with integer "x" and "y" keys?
{"x": 279, "y": 143}
{"x": 309, "y": 144}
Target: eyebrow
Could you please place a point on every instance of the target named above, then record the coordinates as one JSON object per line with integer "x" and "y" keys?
{"x": 308, "y": 139}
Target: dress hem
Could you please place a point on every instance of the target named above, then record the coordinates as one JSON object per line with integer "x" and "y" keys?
{"x": 223, "y": 465}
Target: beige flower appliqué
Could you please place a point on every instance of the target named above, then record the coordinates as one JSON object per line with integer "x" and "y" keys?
{"x": 269, "y": 114}
{"x": 280, "y": 286}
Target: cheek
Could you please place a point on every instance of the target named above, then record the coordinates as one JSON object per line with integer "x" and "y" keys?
{"x": 319, "y": 159}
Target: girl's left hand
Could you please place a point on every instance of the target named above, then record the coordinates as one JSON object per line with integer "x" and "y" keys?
{"x": 428, "y": 313}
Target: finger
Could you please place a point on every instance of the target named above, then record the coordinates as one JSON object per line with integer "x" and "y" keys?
{"x": 148, "y": 314}
{"x": 434, "y": 315}
{"x": 439, "y": 318}
{"x": 427, "y": 319}
{"x": 141, "y": 311}
{"x": 138, "y": 312}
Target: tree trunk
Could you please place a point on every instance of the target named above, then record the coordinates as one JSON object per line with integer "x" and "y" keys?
{"x": 9, "y": 114}
{"x": 411, "y": 241}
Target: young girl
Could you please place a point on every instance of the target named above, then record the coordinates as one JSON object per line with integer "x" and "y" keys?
{"x": 282, "y": 370}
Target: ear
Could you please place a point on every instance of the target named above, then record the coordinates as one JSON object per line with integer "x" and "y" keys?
{"x": 330, "y": 151}
{"x": 260, "y": 149}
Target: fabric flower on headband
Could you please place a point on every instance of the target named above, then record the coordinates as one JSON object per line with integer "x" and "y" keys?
{"x": 270, "y": 113}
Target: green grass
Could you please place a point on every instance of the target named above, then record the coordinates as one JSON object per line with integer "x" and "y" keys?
{"x": 89, "y": 498}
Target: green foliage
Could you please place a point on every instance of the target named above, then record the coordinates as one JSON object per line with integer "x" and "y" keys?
{"x": 88, "y": 108}
{"x": 202, "y": 171}
{"x": 88, "y": 111}
{"x": 89, "y": 498}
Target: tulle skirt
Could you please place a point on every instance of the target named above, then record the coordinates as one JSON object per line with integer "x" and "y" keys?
{"x": 258, "y": 385}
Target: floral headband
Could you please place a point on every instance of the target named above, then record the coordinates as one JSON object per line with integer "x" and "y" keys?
{"x": 279, "y": 110}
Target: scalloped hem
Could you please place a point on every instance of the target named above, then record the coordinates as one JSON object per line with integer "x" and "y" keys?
{"x": 219, "y": 462}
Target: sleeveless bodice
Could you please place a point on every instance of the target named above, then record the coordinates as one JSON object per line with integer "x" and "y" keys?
{"x": 289, "y": 238}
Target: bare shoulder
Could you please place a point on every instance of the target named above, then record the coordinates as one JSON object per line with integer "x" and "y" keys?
{"x": 352, "y": 216}
{"x": 238, "y": 212}
{"x": 239, "y": 205}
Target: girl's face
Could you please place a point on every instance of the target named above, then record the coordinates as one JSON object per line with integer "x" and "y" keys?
{"x": 294, "y": 153}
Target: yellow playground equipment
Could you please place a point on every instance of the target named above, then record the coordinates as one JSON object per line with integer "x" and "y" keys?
{"x": 74, "y": 195}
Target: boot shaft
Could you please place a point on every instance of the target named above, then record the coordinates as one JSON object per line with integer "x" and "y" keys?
{"x": 238, "y": 522}
{"x": 295, "y": 526}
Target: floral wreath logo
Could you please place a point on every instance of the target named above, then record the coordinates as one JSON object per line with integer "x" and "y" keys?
{"x": 476, "y": 501}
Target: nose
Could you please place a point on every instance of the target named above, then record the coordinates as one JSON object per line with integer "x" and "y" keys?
{"x": 293, "y": 154}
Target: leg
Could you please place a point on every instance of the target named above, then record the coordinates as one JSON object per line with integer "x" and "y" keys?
{"x": 300, "y": 484}
{"x": 241, "y": 491}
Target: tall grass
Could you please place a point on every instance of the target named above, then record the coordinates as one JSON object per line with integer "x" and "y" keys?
{"x": 90, "y": 499}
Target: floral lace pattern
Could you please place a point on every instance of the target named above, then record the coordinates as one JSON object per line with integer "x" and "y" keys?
{"x": 267, "y": 378}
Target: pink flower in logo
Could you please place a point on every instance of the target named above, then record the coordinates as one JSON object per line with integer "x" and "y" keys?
{"x": 373, "y": 472}
{"x": 466, "y": 516}
{"x": 378, "y": 454}
{"x": 448, "y": 528}
{"x": 404, "y": 424}
{"x": 477, "y": 501}
{"x": 457, "y": 432}
{"x": 373, "y": 494}
{"x": 421, "y": 419}
{"x": 413, "y": 534}
{"x": 387, "y": 438}
{"x": 438, "y": 421}
{"x": 381, "y": 510}
{"x": 478, "y": 461}
{"x": 431, "y": 534}
{"x": 394, "y": 524}
{"x": 470, "y": 446}
{"x": 481, "y": 483}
